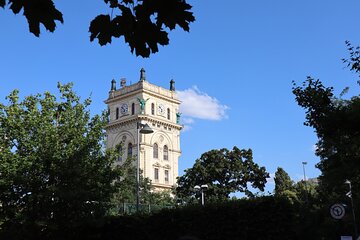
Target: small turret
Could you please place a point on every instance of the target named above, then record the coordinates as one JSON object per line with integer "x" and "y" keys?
{"x": 142, "y": 75}
{"x": 113, "y": 85}
{"x": 172, "y": 85}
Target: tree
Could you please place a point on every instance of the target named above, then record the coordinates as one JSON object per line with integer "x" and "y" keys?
{"x": 125, "y": 186}
{"x": 224, "y": 172}
{"x": 143, "y": 23}
{"x": 283, "y": 182}
{"x": 336, "y": 123}
{"x": 307, "y": 191}
{"x": 303, "y": 192}
{"x": 54, "y": 172}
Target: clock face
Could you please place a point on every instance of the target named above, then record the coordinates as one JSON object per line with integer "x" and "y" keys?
{"x": 161, "y": 109}
{"x": 124, "y": 108}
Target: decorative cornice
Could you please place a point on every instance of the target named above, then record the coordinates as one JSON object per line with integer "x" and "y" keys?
{"x": 138, "y": 118}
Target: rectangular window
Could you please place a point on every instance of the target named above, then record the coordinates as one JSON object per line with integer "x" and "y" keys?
{"x": 166, "y": 176}
{"x": 156, "y": 174}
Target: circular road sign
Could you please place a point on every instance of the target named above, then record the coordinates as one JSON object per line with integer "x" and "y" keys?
{"x": 337, "y": 211}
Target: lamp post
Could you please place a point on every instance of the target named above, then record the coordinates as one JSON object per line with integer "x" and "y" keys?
{"x": 349, "y": 194}
{"x": 202, "y": 189}
{"x": 144, "y": 129}
{"x": 305, "y": 184}
{"x": 304, "y": 163}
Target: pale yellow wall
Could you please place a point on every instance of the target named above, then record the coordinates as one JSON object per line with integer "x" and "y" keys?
{"x": 166, "y": 131}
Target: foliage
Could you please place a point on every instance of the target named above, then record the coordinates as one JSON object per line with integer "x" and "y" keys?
{"x": 54, "y": 172}
{"x": 259, "y": 218}
{"x": 36, "y": 12}
{"x": 161, "y": 198}
{"x": 224, "y": 172}
{"x": 125, "y": 185}
{"x": 307, "y": 192}
{"x": 283, "y": 181}
{"x": 143, "y": 23}
{"x": 284, "y": 186}
{"x": 353, "y": 62}
{"x": 336, "y": 123}
{"x": 302, "y": 192}
{"x": 262, "y": 218}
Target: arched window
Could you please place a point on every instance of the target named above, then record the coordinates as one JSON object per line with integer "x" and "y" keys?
{"x": 156, "y": 174}
{"x": 166, "y": 174}
{"x": 120, "y": 151}
{"x": 117, "y": 113}
{"x": 168, "y": 113}
{"x": 132, "y": 108}
{"x": 153, "y": 108}
{"x": 155, "y": 151}
{"x": 166, "y": 153}
{"x": 130, "y": 147}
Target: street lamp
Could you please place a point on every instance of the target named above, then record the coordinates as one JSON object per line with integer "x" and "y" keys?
{"x": 349, "y": 194}
{"x": 304, "y": 163}
{"x": 305, "y": 184}
{"x": 144, "y": 129}
{"x": 202, "y": 189}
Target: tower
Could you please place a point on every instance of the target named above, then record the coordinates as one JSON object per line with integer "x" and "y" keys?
{"x": 144, "y": 102}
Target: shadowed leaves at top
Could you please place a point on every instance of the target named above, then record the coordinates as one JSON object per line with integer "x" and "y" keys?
{"x": 144, "y": 24}
{"x": 36, "y": 12}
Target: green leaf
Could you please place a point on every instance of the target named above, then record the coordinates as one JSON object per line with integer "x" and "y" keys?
{"x": 101, "y": 29}
{"x": 172, "y": 13}
{"x": 142, "y": 24}
{"x": 38, "y": 12}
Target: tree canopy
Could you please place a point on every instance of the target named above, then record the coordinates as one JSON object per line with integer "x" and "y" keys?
{"x": 283, "y": 181}
{"x": 53, "y": 168}
{"x": 143, "y": 23}
{"x": 224, "y": 171}
{"x": 337, "y": 124}
{"x": 304, "y": 192}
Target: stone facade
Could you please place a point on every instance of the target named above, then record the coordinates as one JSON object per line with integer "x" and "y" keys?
{"x": 146, "y": 103}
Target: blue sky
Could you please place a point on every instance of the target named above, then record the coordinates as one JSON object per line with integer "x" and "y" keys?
{"x": 236, "y": 64}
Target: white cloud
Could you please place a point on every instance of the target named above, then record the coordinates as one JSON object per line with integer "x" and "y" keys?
{"x": 186, "y": 128}
{"x": 197, "y": 104}
{"x": 186, "y": 120}
{"x": 270, "y": 179}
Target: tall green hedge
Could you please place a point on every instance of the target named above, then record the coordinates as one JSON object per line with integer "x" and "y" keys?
{"x": 263, "y": 218}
